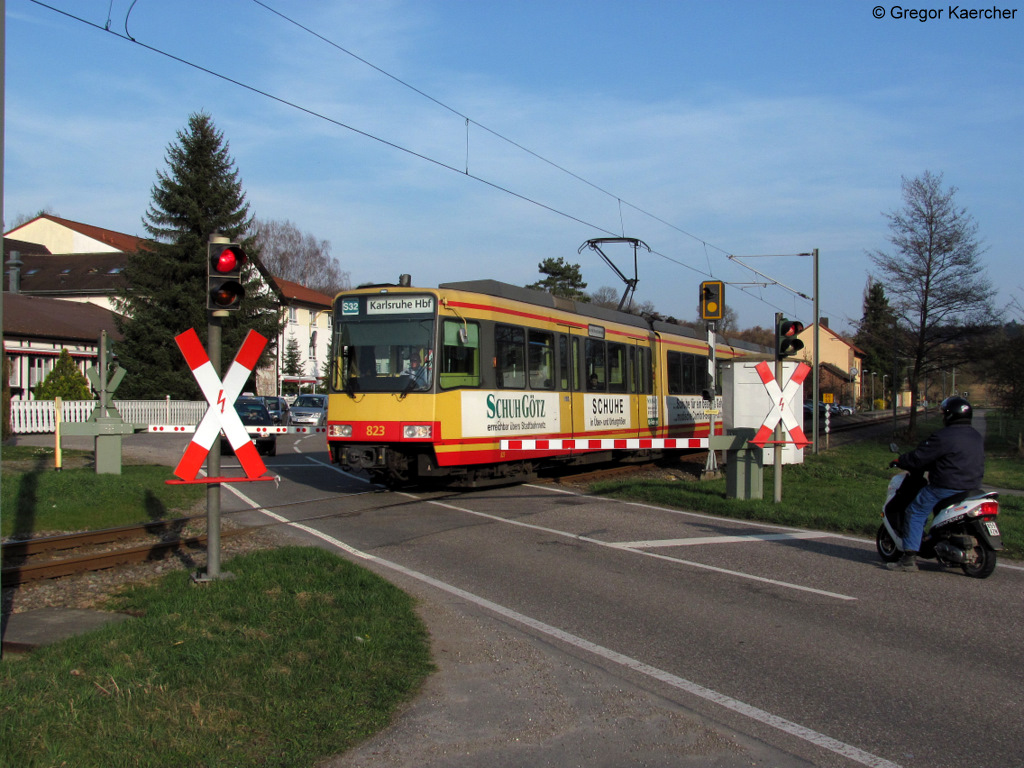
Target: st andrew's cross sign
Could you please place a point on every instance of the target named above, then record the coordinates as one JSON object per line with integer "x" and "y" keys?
{"x": 221, "y": 414}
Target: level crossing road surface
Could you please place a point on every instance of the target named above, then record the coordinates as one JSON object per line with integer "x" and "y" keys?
{"x": 600, "y": 632}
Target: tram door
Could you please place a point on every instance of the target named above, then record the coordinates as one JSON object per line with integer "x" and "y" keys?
{"x": 642, "y": 389}
{"x": 568, "y": 379}
{"x": 635, "y": 389}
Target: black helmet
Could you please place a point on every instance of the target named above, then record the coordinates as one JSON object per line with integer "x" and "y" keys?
{"x": 956, "y": 409}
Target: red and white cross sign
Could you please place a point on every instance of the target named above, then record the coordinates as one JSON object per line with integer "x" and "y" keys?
{"x": 221, "y": 397}
{"x": 779, "y": 397}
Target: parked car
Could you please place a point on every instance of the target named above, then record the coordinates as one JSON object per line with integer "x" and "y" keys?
{"x": 809, "y": 409}
{"x": 309, "y": 410}
{"x": 253, "y": 413}
{"x": 846, "y": 410}
{"x": 279, "y": 409}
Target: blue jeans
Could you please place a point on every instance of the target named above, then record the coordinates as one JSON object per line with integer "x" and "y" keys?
{"x": 917, "y": 514}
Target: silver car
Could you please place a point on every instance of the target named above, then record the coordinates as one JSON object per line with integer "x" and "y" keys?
{"x": 309, "y": 410}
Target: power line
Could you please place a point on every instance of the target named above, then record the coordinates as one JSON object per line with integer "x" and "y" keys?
{"x": 471, "y": 121}
{"x": 127, "y": 37}
{"x": 321, "y": 116}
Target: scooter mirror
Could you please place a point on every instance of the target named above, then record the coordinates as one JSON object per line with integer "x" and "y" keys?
{"x": 894, "y": 448}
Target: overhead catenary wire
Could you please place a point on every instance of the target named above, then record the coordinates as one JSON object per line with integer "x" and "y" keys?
{"x": 127, "y": 37}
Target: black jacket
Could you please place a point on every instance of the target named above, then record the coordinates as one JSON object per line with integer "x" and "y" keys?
{"x": 954, "y": 457}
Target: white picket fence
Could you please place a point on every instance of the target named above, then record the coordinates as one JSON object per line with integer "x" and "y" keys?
{"x": 29, "y": 416}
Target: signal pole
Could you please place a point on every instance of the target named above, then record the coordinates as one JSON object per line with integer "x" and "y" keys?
{"x": 213, "y": 343}
{"x": 777, "y": 463}
{"x": 712, "y": 308}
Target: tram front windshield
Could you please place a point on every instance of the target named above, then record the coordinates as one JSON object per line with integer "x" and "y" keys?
{"x": 384, "y": 344}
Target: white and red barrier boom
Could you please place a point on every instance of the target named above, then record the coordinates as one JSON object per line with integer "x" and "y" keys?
{"x": 611, "y": 443}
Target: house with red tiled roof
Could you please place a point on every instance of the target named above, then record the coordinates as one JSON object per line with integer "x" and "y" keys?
{"x": 840, "y": 363}
{"x": 67, "y": 261}
{"x": 308, "y": 320}
{"x": 36, "y": 329}
{"x": 59, "y": 235}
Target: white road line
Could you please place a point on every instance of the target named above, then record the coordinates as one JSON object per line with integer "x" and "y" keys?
{"x": 699, "y": 515}
{"x": 735, "y": 705}
{"x": 696, "y": 540}
{"x": 716, "y": 518}
{"x": 599, "y": 543}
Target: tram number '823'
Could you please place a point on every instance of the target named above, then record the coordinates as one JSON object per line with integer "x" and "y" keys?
{"x": 375, "y": 430}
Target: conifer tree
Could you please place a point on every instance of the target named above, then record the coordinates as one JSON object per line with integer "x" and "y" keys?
{"x": 165, "y": 288}
{"x": 875, "y": 333}
{"x": 563, "y": 279}
{"x": 64, "y": 380}
{"x": 292, "y": 363}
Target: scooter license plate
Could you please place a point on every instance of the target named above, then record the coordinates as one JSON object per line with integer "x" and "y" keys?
{"x": 993, "y": 529}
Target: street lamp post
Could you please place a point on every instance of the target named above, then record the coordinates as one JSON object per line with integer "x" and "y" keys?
{"x": 873, "y": 375}
{"x": 884, "y": 377}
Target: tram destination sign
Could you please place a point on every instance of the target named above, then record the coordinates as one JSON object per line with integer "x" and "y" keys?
{"x": 352, "y": 306}
{"x": 399, "y": 305}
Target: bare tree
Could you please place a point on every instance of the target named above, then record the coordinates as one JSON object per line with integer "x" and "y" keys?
{"x": 25, "y": 218}
{"x": 726, "y": 325}
{"x": 605, "y": 296}
{"x": 298, "y": 256}
{"x": 935, "y": 281}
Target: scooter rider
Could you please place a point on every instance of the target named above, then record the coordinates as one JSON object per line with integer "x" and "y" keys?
{"x": 954, "y": 458}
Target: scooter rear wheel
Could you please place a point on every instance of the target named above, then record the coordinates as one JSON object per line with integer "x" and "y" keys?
{"x": 887, "y": 548}
{"x": 984, "y": 563}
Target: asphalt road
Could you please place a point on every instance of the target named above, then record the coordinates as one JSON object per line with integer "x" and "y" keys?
{"x": 579, "y": 630}
{"x": 772, "y": 639}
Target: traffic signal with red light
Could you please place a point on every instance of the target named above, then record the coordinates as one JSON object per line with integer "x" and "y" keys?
{"x": 224, "y": 276}
{"x": 712, "y": 299}
{"x": 786, "y": 341}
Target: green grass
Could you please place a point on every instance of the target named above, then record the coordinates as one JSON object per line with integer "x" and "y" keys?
{"x": 298, "y": 657}
{"x": 34, "y": 497}
{"x": 839, "y": 490}
{"x": 304, "y": 654}
{"x": 1004, "y": 447}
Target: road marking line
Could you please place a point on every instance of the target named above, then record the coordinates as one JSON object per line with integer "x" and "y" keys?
{"x": 686, "y": 512}
{"x": 694, "y": 540}
{"x": 598, "y": 542}
{"x": 707, "y": 694}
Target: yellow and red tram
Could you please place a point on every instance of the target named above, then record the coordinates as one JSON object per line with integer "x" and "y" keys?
{"x": 425, "y": 383}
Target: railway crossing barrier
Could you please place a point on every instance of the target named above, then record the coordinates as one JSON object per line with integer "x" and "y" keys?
{"x": 744, "y": 473}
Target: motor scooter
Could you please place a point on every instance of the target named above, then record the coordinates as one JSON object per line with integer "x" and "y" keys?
{"x": 963, "y": 532}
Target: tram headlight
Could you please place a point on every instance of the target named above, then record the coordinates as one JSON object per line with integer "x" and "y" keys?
{"x": 339, "y": 430}
{"x": 418, "y": 431}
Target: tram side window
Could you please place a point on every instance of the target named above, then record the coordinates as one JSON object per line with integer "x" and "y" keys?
{"x": 460, "y": 355}
{"x": 541, "y": 359}
{"x": 510, "y": 356}
{"x": 640, "y": 370}
{"x": 563, "y": 362}
{"x": 594, "y": 361}
{"x": 575, "y": 369}
{"x": 633, "y": 369}
{"x": 674, "y": 373}
{"x": 618, "y": 369}
{"x": 687, "y": 374}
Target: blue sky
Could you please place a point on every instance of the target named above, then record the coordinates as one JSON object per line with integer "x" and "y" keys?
{"x": 702, "y": 128}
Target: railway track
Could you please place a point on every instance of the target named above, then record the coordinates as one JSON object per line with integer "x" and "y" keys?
{"x": 52, "y": 557}
{"x": 62, "y": 555}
